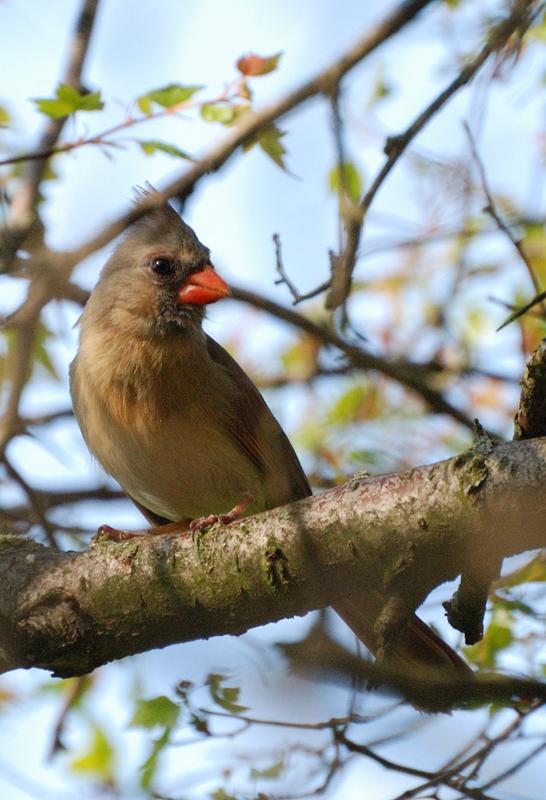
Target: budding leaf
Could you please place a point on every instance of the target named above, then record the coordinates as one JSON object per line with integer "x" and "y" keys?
{"x": 252, "y": 64}
{"x": 222, "y": 112}
{"x": 168, "y": 96}
{"x": 346, "y": 178}
{"x": 68, "y": 101}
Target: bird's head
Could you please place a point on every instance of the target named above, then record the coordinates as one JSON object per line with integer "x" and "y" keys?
{"x": 158, "y": 279}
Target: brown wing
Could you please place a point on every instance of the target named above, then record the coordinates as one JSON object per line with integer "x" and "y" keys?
{"x": 260, "y": 436}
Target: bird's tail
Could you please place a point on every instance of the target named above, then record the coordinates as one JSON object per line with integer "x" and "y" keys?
{"x": 418, "y": 647}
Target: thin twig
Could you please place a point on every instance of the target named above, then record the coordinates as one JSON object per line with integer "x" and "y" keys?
{"x": 280, "y": 269}
{"x": 364, "y": 750}
{"x": 516, "y": 767}
{"x": 519, "y": 312}
{"x": 24, "y": 203}
{"x": 22, "y": 220}
{"x": 48, "y": 528}
{"x": 24, "y": 321}
{"x": 396, "y": 145}
{"x": 408, "y": 374}
{"x": 19, "y": 372}
{"x": 349, "y": 213}
{"x": 250, "y": 124}
{"x": 73, "y": 694}
{"x": 491, "y": 209}
{"x": 298, "y": 298}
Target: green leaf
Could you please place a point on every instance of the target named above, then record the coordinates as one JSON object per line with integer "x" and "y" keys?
{"x": 145, "y": 104}
{"x": 221, "y": 794}
{"x": 149, "y": 768}
{"x": 498, "y": 636}
{"x": 5, "y": 119}
{"x": 168, "y": 96}
{"x": 224, "y": 113}
{"x": 41, "y": 356}
{"x": 534, "y": 244}
{"x": 98, "y": 759}
{"x": 68, "y": 101}
{"x": 534, "y": 571}
{"x": 381, "y": 88}
{"x": 224, "y": 696}
{"x": 253, "y": 65}
{"x": 359, "y": 403}
{"x": 270, "y": 141}
{"x": 157, "y": 711}
{"x": 9, "y": 340}
{"x": 150, "y": 146}
{"x": 346, "y": 179}
{"x": 270, "y": 773}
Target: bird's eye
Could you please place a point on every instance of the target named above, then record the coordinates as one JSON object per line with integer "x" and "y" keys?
{"x": 162, "y": 266}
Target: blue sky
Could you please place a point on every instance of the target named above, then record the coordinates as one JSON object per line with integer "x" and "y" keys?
{"x": 144, "y": 44}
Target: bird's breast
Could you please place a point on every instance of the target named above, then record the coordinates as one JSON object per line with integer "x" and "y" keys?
{"x": 159, "y": 434}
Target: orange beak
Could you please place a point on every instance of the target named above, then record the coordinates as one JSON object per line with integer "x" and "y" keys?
{"x": 203, "y": 287}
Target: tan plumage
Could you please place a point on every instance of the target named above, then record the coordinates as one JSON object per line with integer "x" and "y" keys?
{"x": 175, "y": 420}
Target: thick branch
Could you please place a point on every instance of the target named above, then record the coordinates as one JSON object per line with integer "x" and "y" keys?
{"x": 530, "y": 421}
{"x": 406, "y": 533}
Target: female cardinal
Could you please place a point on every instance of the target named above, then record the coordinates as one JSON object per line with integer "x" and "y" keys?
{"x": 175, "y": 420}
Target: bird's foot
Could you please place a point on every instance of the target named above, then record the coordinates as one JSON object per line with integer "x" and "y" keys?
{"x": 199, "y": 525}
{"x": 106, "y": 532}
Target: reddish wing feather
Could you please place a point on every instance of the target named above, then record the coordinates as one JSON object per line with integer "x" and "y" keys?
{"x": 260, "y": 436}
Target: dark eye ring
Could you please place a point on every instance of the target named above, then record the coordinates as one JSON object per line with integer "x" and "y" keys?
{"x": 162, "y": 266}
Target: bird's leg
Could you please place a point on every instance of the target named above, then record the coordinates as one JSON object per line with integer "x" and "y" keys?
{"x": 235, "y": 513}
{"x": 181, "y": 527}
{"x": 184, "y": 527}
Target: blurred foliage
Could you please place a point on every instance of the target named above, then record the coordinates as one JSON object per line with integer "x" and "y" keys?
{"x": 68, "y": 101}
{"x": 434, "y": 279}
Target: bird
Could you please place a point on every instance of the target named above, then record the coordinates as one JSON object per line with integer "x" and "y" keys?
{"x": 177, "y": 422}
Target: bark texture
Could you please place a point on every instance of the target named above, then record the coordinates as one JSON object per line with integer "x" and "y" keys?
{"x": 407, "y": 533}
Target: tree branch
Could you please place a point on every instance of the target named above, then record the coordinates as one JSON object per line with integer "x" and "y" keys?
{"x": 71, "y": 612}
{"x": 530, "y": 421}
{"x": 23, "y": 205}
{"x": 520, "y": 15}
{"x": 414, "y": 376}
{"x": 250, "y": 124}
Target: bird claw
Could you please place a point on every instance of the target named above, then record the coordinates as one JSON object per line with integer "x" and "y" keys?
{"x": 202, "y": 523}
{"x": 107, "y": 533}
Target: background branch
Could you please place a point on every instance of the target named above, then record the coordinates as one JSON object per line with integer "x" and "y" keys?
{"x": 247, "y": 128}
{"x": 396, "y": 145}
{"x": 23, "y": 204}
